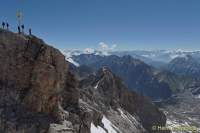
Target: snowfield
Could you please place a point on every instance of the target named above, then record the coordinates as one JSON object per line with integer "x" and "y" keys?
{"x": 97, "y": 129}
{"x": 109, "y": 127}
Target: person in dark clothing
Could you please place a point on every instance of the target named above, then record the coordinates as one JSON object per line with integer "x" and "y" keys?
{"x": 30, "y": 31}
{"x": 3, "y": 24}
{"x": 22, "y": 26}
{"x": 19, "y": 30}
{"x": 7, "y": 26}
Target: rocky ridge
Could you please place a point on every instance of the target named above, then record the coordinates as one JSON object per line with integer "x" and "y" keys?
{"x": 137, "y": 75}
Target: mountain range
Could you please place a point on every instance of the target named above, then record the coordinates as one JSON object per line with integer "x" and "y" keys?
{"x": 136, "y": 74}
{"x": 178, "y": 72}
{"x": 155, "y": 58}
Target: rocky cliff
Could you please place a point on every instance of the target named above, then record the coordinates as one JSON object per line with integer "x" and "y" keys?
{"x": 33, "y": 77}
{"x": 39, "y": 94}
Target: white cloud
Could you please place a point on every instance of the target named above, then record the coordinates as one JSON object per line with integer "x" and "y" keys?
{"x": 106, "y": 47}
{"x": 103, "y": 46}
{"x": 88, "y": 51}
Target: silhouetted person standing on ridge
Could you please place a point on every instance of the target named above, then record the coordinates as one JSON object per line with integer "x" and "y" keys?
{"x": 3, "y": 24}
{"x": 7, "y": 26}
{"x": 30, "y": 31}
{"x": 19, "y": 30}
{"x": 22, "y": 28}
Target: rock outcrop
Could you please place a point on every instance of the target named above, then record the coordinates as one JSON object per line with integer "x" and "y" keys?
{"x": 33, "y": 77}
{"x": 31, "y": 72}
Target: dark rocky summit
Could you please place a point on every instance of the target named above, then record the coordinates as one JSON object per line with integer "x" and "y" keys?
{"x": 39, "y": 94}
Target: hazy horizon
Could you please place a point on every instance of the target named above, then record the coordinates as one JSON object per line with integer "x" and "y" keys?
{"x": 108, "y": 48}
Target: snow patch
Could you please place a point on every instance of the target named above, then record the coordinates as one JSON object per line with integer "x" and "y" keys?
{"x": 97, "y": 129}
{"x": 96, "y": 86}
{"x": 109, "y": 126}
{"x": 73, "y": 62}
{"x": 124, "y": 116}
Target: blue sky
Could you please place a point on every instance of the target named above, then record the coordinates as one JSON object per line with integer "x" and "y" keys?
{"x": 129, "y": 24}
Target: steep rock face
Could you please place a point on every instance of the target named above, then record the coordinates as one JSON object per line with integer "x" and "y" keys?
{"x": 70, "y": 94}
{"x": 33, "y": 77}
{"x": 34, "y": 71}
{"x": 107, "y": 91}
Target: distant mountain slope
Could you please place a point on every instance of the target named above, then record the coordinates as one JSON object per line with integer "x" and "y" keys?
{"x": 136, "y": 74}
{"x": 176, "y": 82}
{"x": 186, "y": 65}
{"x": 164, "y": 56}
{"x": 155, "y": 58}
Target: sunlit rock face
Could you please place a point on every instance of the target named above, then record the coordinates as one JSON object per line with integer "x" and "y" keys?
{"x": 32, "y": 73}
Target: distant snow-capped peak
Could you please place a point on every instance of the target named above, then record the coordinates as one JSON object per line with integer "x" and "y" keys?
{"x": 86, "y": 51}
{"x": 162, "y": 55}
{"x": 70, "y": 53}
{"x": 154, "y": 55}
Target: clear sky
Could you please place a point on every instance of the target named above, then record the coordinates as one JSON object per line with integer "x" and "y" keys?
{"x": 130, "y": 24}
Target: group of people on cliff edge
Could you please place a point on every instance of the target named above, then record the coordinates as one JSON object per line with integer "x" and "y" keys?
{"x": 5, "y": 25}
